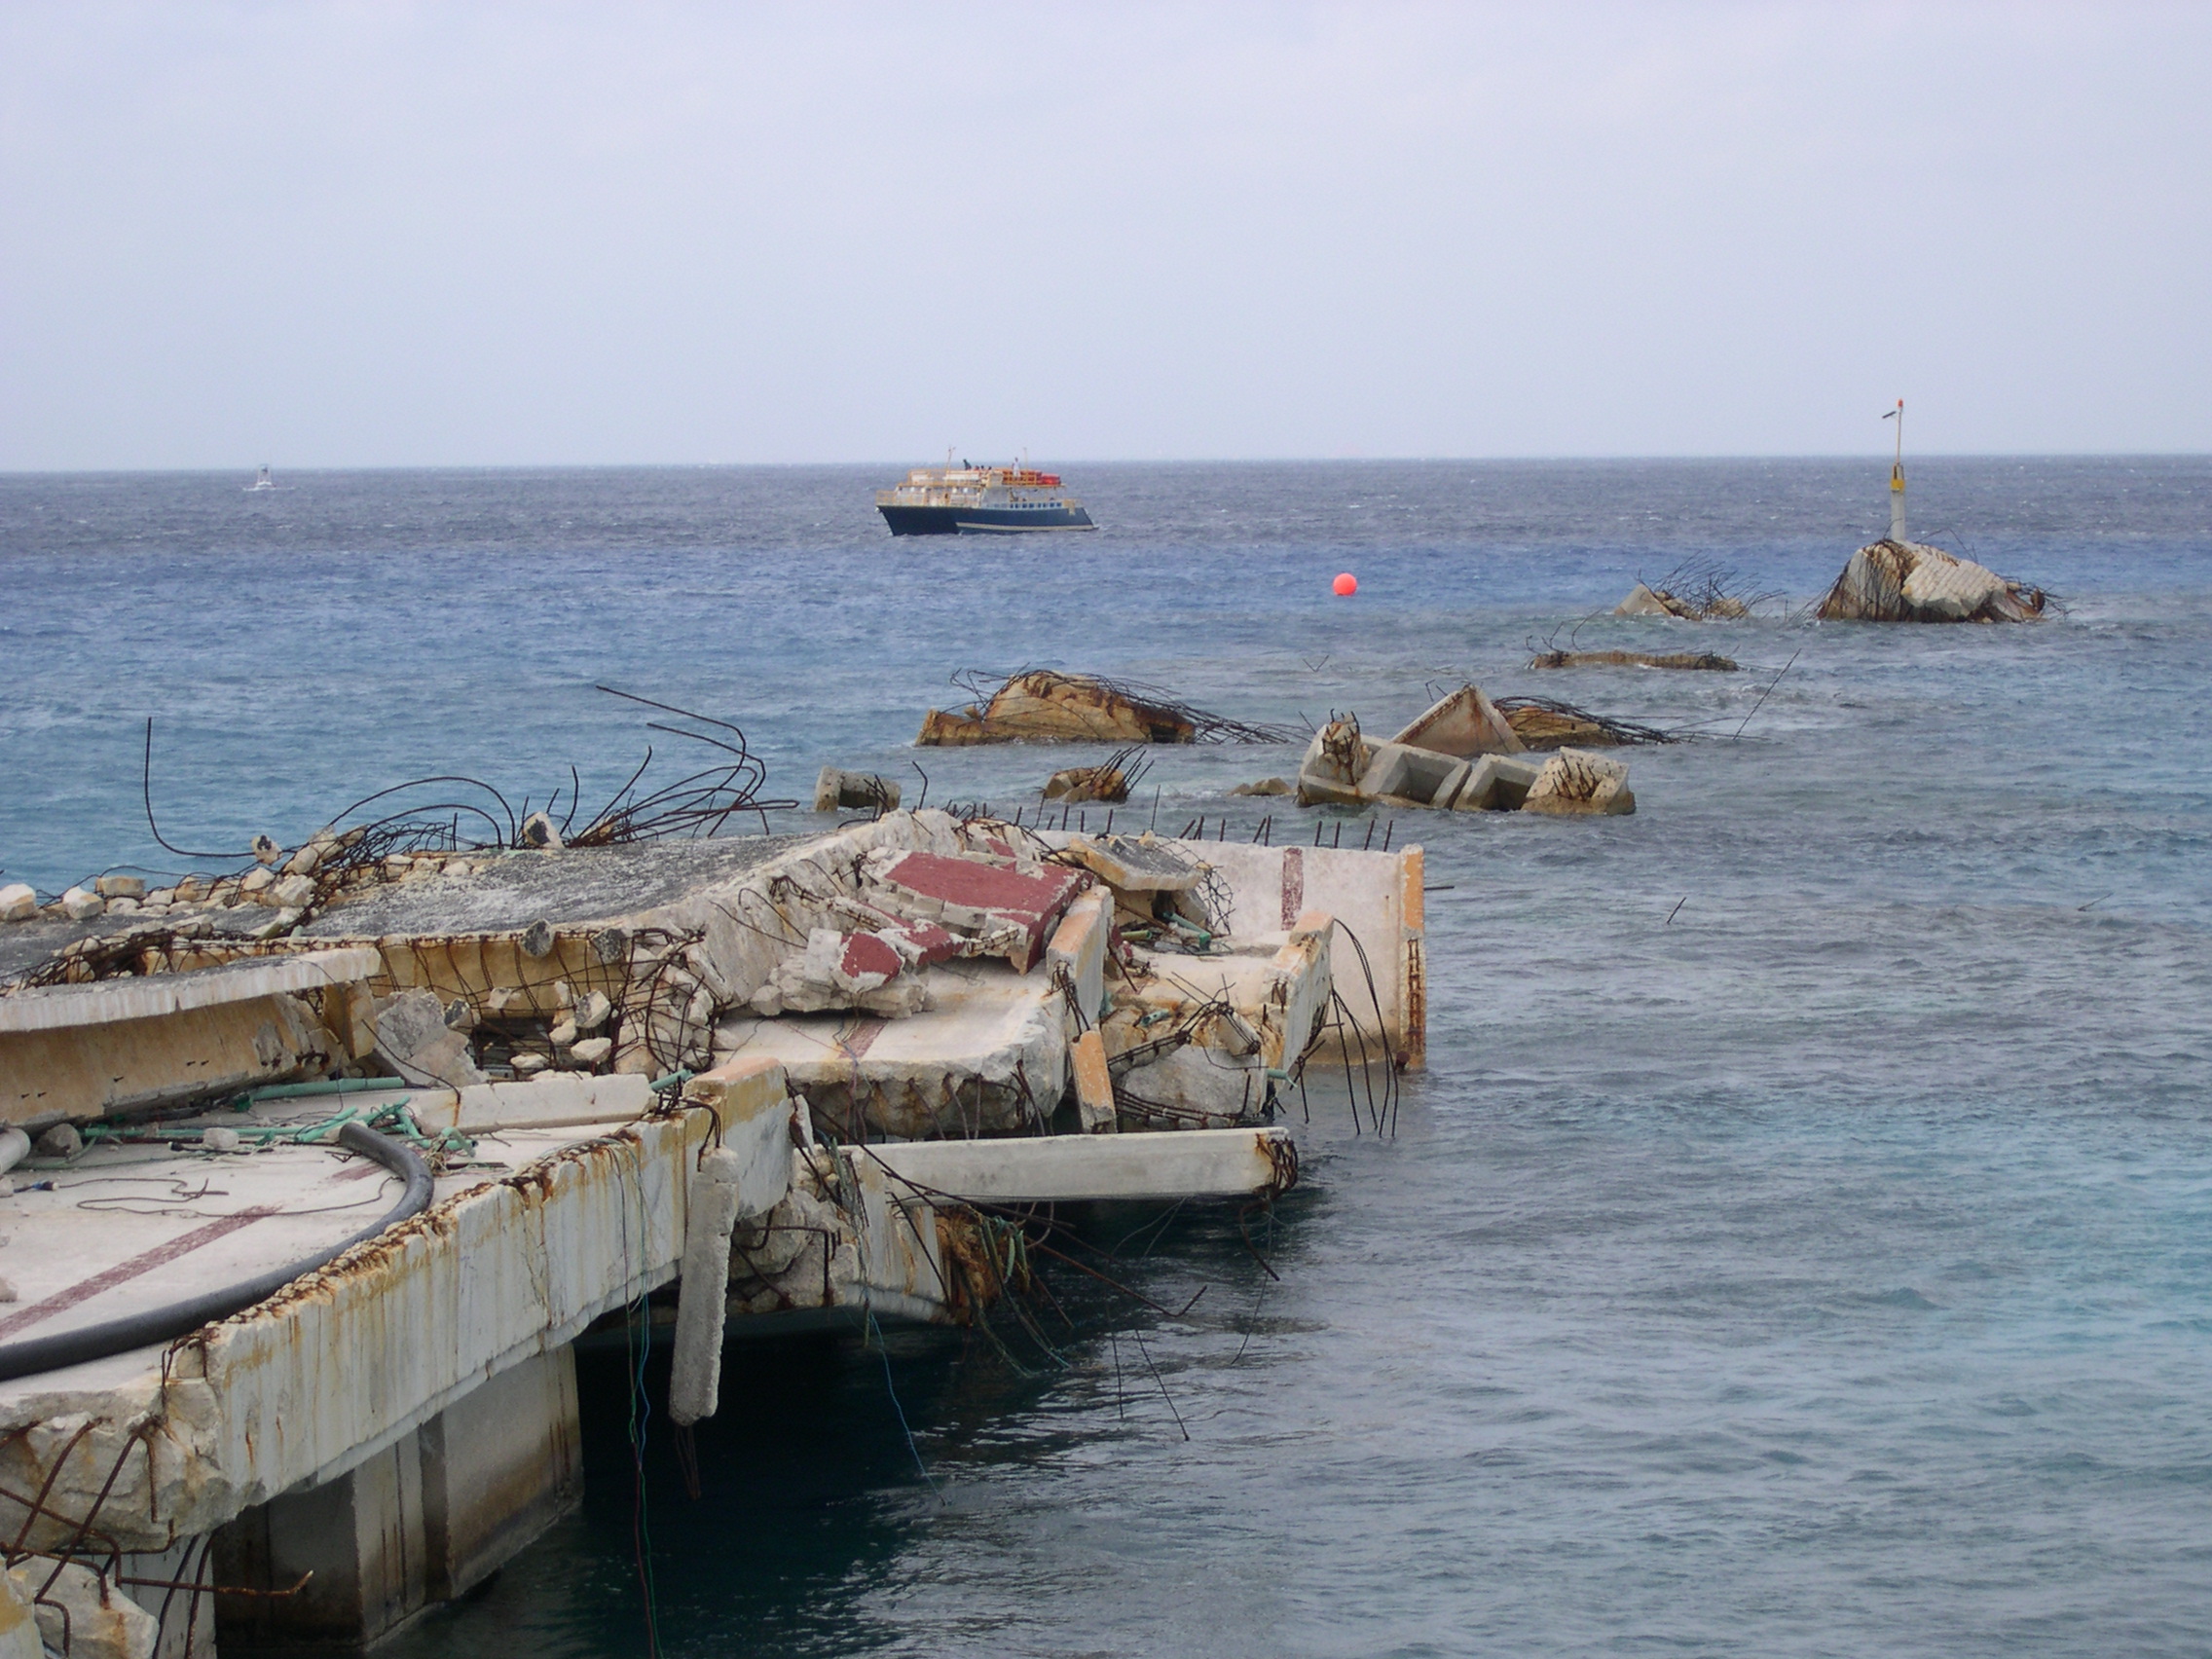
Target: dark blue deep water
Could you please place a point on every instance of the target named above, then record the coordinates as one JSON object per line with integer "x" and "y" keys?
{"x": 1825, "y": 1270}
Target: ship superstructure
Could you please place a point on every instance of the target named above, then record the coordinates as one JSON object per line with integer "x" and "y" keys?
{"x": 948, "y": 500}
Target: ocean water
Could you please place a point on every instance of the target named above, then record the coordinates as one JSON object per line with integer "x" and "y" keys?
{"x": 1800, "y": 1241}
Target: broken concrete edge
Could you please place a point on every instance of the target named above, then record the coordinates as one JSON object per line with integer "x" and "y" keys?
{"x": 99, "y": 1002}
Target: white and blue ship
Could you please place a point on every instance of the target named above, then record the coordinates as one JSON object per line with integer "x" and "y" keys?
{"x": 965, "y": 500}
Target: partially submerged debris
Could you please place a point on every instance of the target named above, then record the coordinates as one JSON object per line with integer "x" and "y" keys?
{"x": 1111, "y": 780}
{"x": 1344, "y": 768}
{"x": 1264, "y": 786}
{"x": 1041, "y": 705}
{"x": 837, "y": 789}
{"x": 1463, "y": 723}
{"x": 1542, "y": 723}
{"x": 1697, "y": 590}
{"x": 1634, "y": 659}
{"x": 1908, "y": 581}
{"x": 1575, "y": 783}
{"x": 1467, "y": 754}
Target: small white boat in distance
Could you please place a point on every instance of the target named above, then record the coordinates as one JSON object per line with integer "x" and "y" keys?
{"x": 263, "y": 482}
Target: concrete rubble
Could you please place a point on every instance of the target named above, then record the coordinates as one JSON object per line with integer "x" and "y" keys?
{"x": 1110, "y": 781}
{"x": 1645, "y": 600}
{"x": 845, "y": 1048}
{"x": 836, "y": 789}
{"x": 1697, "y": 590}
{"x": 1466, "y": 753}
{"x": 1908, "y": 581}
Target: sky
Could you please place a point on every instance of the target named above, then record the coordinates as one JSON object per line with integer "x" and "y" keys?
{"x": 396, "y": 234}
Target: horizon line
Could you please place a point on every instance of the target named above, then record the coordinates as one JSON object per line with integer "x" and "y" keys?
{"x": 1103, "y": 460}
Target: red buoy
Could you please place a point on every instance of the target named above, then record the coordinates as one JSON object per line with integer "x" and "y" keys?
{"x": 1345, "y": 585}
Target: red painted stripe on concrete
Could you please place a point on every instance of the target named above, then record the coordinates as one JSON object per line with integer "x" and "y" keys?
{"x": 183, "y": 1244}
{"x": 863, "y": 1037}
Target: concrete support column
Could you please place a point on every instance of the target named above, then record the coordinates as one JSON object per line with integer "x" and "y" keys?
{"x": 420, "y": 1522}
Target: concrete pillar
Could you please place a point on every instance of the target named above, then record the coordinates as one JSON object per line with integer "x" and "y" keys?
{"x": 499, "y": 1468}
{"x": 420, "y": 1522}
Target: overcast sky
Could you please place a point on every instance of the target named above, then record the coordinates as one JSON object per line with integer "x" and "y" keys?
{"x": 396, "y": 235}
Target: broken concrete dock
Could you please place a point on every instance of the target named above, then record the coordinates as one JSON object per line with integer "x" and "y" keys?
{"x": 773, "y": 1080}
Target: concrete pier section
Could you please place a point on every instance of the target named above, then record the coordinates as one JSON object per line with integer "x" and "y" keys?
{"x": 823, "y": 1070}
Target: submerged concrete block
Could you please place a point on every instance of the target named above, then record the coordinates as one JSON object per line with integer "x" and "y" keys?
{"x": 1908, "y": 581}
{"x": 1497, "y": 783}
{"x": 836, "y": 789}
{"x": 1576, "y": 782}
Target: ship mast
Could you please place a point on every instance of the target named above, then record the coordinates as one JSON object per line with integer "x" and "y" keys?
{"x": 1896, "y": 477}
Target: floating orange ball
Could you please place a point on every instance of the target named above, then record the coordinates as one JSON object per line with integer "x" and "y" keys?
{"x": 1345, "y": 585}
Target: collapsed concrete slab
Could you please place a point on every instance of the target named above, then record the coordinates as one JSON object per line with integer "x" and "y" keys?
{"x": 105, "y": 1047}
{"x": 989, "y": 1057}
{"x": 1908, "y": 581}
{"x": 1463, "y": 723}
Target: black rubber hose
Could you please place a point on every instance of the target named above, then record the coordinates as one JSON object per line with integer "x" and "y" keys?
{"x": 160, "y": 1324}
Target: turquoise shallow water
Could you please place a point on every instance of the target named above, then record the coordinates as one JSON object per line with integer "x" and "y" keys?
{"x": 1822, "y": 1271}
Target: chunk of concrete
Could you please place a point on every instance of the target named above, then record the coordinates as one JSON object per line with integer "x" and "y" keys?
{"x": 19, "y": 903}
{"x": 1576, "y": 782}
{"x": 695, "y": 1374}
{"x": 80, "y": 1615}
{"x": 79, "y": 905}
{"x": 412, "y": 1038}
{"x": 1644, "y": 601}
{"x": 1045, "y": 706}
{"x": 1908, "y": 581}
{"x": 120, "y": 887}
{"x": 1079, "y": 786}
{"x": 1264, "y": 786}
{"x": 836, "y": 789}
{"x": 1464, "y": 723}
{"x": 1497, "y": 783}
{"x": 971, "y": 895}
{"x": 1093, "y": 1085}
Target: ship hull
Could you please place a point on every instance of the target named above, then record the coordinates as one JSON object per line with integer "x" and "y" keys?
{"x": 981, "y": 521}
